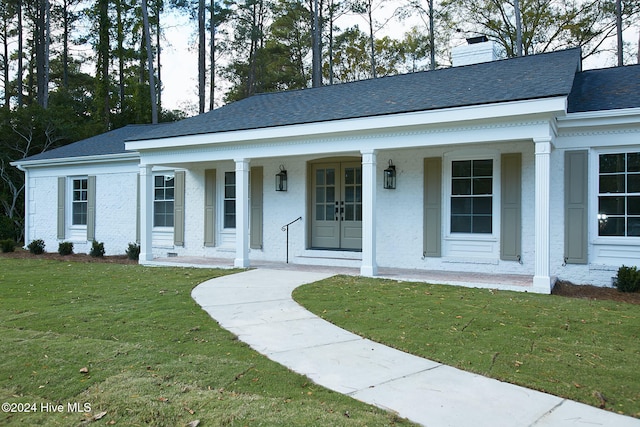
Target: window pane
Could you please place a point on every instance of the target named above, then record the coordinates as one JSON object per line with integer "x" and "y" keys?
{"x": 349, "y": 213}
{"x": 230, "y": 178}
{"x": 320, "y": 212}
{"x": 331, "y": 177}
{"x": 633, "y": 162}
{"x": 158, "y": 181}
{"x": 229, "y": 214}
{"x": 461, "y": 187}
{"x": 358, "y": 175}
{"x": 230, "y": 192}
{"x": 612, "y": 183}
{"x": 359, "y": 194}
{"x": 633, "y": 205}
{"x": 319, "y": 194}
{"x": 633, "y": 226}
{"x": 320, "y": 177}
{"x": 349, "y": 176}
{"x": 611, "y": 205}
{"x": 460, "y": 224}
{"x": 348, "y": 194}
{"x": 633, "y": 183}
{"x": 483, "y": 205}
{"x": 482, "y": 186}
{"x": 358, "y": 212}
{"x": 330, "y": 212}
{"x": 483, "y": 167}
{"x": 461, "y": 168}
{"x": 481, "y": 224}
{"x": 331, "y": 194}
{"x": 79, "y": 214}
{"x": 610, "y": 163}
{"x": 612, "y": 227}
{"x": 461, "y": 205}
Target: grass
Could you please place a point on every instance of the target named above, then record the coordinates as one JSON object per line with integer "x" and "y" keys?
{"x": 583, "y": 350}
{"x": 130, "y": 343}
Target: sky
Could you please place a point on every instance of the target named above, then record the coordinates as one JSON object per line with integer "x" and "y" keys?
{"x": 180, "y": 63}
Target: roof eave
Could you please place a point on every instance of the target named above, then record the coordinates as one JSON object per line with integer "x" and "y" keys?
{"x": 68, "y": 161}
{"x": 552, "y": 106}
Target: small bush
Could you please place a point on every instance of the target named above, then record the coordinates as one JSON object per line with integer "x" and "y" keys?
{"x": 628, "y": 279}
{"x": 65, "y": 248}
{"x": 97, "y": 249}
{"x": 133, "y": 251}
{"x": 36, "y": 247}
{"x": 8, "y": 245}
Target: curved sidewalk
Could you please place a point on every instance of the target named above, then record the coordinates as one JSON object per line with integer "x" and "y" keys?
{"x": 256, "y": 305}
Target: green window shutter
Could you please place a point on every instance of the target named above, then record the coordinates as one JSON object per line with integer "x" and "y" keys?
{"x": 255, "y": 226}
{"x": 61, "y": 205}
{"x": 210, "y": 207}
{"x": 511, "y": 207}
{"x": 91, "y": 208}
{"x": 178, "y": 209}
{"x": 432, "y": 239}
{"x": 575, "y": 206}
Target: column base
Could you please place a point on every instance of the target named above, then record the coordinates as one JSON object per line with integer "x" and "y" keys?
{"x": 241, "y": 263}
{"x": 369, "y": 270}
{"x": 542, "y": 284}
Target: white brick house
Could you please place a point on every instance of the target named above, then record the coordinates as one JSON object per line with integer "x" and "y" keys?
{"x": 525, "y": 166}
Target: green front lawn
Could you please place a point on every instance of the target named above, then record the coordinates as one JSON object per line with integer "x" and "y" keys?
{"x": 131, "y": 344}
{"x": 583, "y": 350}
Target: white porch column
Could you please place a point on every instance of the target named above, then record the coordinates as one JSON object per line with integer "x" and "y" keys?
{"x": 242, "y": 213}
{"x": 146, "y": 212}
{"x": 369, "y": 266}
{"x": 542, "y": 278}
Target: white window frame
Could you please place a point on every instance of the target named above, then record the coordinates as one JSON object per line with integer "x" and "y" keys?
{"x": 75, "y": 232}
{"x": 594, "y": 194}
{"x": 165, "y": 175}
{"x": 471, "y": 245}
{"x": 225, "y": 199}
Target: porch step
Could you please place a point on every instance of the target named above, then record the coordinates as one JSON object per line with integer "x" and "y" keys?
{"x": 329, "y": 258}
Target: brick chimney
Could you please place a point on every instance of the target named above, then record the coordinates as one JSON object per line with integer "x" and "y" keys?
{"x": 477, "y": 50}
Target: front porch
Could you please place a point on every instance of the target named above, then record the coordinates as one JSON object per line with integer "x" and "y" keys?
{"x": 511, "y": 282}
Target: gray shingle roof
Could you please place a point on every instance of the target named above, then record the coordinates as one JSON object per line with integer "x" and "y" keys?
{"x": 111, "y": 142}
{"x": 530, "y": 77}
{"x": 606, "y": 89}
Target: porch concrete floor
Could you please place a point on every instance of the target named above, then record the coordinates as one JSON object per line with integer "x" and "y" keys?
{"x": 515, "y": 282}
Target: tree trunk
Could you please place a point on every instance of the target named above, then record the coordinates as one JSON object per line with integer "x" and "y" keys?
{"x": 121, "y": 59}
{"x": 5, "y": 71}
{"x": 316, "y": 74}
{"x": 619, "y": 32}
{"x": 152, "y": 84}
{"x": 212, "y": 55}
{"x": 158, "y": 51}
{"x": 201, "y": 57}
{"x": 65, "y": 44}
{"x": 374, "y": 74}
{"x": 432, "y": 38}
{"x": 20, "y": 55}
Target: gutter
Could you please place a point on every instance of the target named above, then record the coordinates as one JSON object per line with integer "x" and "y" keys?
{"x": 100, "y": 158}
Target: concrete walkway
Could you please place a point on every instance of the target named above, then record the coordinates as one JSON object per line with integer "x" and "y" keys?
{"x": 256, "y": 305}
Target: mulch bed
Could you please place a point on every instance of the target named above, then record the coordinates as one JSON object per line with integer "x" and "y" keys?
{"x": 565, "y": 289}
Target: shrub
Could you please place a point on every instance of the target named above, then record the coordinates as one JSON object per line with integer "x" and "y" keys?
{"x": 65, "y": 248}
{"x": 133, "y": 251}
{"x": 628, "y": 279}
{"x": 97, "y": 249}
{"x": 8, "y": 245}
{"x": 36, "y": 247}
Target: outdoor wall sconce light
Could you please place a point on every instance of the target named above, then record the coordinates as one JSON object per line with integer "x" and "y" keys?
{"x": 389, "y": 178}
{"x": 281, "y": 179}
